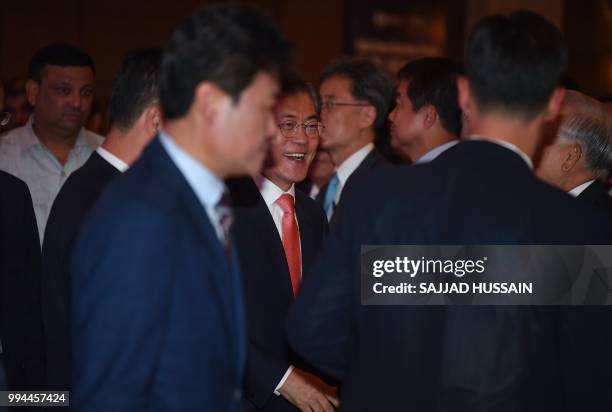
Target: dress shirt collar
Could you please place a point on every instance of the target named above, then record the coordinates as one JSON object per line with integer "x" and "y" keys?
{"x": 436, "y": 151}
{"x": 581, "y": 188}
{"x": 507, "y": 145}
{"x": 112, "y": 159}
{"x": 346, "y": 169}
{"x": 29, "y": 138}
{"x": 270, "y": 192}
{"x": 207, "y": 187}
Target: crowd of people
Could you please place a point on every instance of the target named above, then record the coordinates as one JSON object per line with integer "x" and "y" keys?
{"x": 204, "y": 253}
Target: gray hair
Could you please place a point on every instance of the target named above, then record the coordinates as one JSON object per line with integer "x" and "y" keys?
{"x": 594, "y": 135}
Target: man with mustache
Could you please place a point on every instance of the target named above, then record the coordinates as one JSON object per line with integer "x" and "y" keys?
{"x": 53, "y": 143}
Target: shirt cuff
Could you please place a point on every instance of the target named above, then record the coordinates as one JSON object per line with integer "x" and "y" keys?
{"x": 282, "y": 381}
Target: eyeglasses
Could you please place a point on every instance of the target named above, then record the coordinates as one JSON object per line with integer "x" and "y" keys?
{"x": 331, "y": 105}
{"x": 5, "y": 118}
{"x": 290, "y": 128}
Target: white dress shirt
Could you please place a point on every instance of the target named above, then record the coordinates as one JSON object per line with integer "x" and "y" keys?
{"x": 112, "y": 159}
{"x": 581, "y": 188}
{"x": 436, "y": 151}
{"x": 207, "y": 187}
{"x": 23, "y": 155}
{"x": 346, "y": 169}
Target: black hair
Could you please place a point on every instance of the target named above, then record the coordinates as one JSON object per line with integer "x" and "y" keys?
{"x": 135, "y": 87}
{"x": 225, "y": 45}
{"x": 57, "y": 54}
{"x": 292, "y": 84}
{"x": 433, "y": 81}
{"x": 369, "y": 82}
{"x": 514, "y": 62}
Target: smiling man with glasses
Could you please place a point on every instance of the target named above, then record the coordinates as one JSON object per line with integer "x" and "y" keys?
{"x": 288, "y": 228}
{"x": 356, "y": 97}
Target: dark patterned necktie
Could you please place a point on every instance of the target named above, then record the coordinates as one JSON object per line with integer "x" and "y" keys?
{"x": 226, "y": 218}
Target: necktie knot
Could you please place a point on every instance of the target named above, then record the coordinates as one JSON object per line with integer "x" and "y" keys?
{"x": 287, "y": 203}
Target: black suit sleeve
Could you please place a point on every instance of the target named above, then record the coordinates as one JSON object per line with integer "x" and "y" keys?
{"x": 263, "y": 374}
{"x": 22, "y": 335}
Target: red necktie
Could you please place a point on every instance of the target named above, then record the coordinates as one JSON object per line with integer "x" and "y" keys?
{"x": 291, "y": 239}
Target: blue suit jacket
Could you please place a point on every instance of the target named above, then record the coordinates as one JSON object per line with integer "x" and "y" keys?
{"x": 158, "y": 322}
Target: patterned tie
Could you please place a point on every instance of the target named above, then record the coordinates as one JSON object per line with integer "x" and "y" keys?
{"x": 226, "y": 218}
{"x": 330, "y": 195}
{"x": 291, "y": 239}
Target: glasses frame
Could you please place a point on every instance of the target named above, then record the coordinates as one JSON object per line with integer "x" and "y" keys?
{"x": 297, "y": 125}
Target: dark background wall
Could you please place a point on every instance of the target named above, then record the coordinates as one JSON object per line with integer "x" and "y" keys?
{"x": 108, "y": 28}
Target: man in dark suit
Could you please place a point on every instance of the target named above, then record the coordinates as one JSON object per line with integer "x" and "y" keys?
{"x": 580, "y": 156}
{"x": 278, "y": 232}
{"x": 21, "y": 331}
{"x": 158, "y": 316}
{"x": 134, "y": 118}
{"x": 482, "y": 191}
{"x": 356, "y": 96}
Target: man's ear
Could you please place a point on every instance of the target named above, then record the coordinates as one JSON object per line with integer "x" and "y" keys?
{"x": 572, "y": 155}
{"x": 208, "y": 100}
{"x": 464, "y": 95}
{"x": 430, "y": 115}
{"x": 554, "y": 104}
{"x": 32, "y": 89}
{"x": 152, "y": 119}
{"x": 367, "y": 117}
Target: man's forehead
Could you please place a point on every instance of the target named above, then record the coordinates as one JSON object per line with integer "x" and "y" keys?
{"x": 69, "y": 74}
{"x": 336, "y": 86}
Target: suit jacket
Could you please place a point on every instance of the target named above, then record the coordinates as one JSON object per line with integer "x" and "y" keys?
{"x": 21, "y": 330}
{"x": 268, "y": 288}
{"x": 597, "y": 195}
{"x": 157, "y": 306}
{"x": 74, "y": 200}
{"x": 374, "y": 160}
{"x": 457, "y": 358}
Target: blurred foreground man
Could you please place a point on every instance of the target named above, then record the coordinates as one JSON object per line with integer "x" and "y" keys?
{"x": 483, "y": 191}
{"x": 158, "y": 312}
{"x": 288, "y": 228}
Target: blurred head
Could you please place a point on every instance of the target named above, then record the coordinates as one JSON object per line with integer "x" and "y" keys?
{"x": 514, "y": 65}
{"x": 219, "y": 73}
{"x": 321, "y": 168}
{"x": 60, "y": 89}
{"x": 16, "y": 103}
{"x": 356, "y": 96}
{"x": 133, "y": 111}
{"x": 294, "y": 145}
{"x": 135, "y": 92}
{"x": 426, "y": 112}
